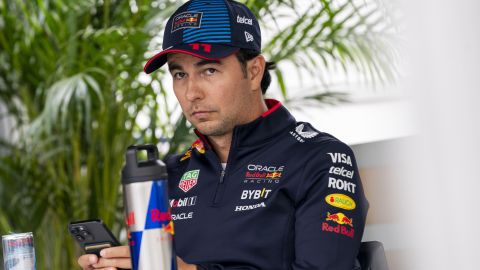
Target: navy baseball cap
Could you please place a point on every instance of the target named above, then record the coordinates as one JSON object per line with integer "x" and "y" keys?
{"x": 208, "y": 29}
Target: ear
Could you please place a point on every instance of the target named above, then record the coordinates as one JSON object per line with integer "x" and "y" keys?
{"x": 255, "y": 70}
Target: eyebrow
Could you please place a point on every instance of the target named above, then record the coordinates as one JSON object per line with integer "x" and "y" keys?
{"x": 172, "y": 66}
{"x": 206, "y": 62}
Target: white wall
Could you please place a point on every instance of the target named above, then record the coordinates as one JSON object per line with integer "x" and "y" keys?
{"x": 440, "y": 191}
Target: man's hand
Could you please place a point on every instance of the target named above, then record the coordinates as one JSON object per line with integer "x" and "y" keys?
{"x": 181, "y": 265}
{"x": 111, "y": 259}
{"x": 118, "y": 257}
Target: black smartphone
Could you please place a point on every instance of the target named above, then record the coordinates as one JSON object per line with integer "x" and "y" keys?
{"x": 92, "y": 235}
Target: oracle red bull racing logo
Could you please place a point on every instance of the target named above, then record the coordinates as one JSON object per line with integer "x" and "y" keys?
{"x": 341, "y": 220}
{"x": 189, "y": 180}
{"x": 263, "y": 174}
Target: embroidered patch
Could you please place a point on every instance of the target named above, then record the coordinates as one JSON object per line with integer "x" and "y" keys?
{"x": 187, "y": 20}
{"x": 189, "y": 180}
{"x": 341, "y": 201}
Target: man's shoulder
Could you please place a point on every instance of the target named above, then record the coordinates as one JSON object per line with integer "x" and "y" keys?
{"x": 306, "y": 133}
{"x": 172, "y": 160}
{"x": 313, "y": 141}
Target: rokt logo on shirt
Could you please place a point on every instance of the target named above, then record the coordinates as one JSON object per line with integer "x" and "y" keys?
{"x": 189, "y": 180}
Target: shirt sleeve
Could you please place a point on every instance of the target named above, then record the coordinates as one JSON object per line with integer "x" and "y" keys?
{"x": 330, "y": 212}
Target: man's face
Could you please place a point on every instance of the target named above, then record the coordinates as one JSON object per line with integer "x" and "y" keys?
{"x": 214, "y": 95}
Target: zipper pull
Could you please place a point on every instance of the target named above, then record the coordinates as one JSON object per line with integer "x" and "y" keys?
{"x": 222, "y": 175}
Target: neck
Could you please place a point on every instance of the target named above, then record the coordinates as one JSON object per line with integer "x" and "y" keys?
{"x": 221, "y": 144}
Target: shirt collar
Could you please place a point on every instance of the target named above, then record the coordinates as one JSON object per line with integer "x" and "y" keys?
{"x": 267, "y": 126}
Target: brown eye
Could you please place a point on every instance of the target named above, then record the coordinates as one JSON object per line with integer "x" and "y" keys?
{"x": 179, "y": 75}
{"x": 210, "y": 71}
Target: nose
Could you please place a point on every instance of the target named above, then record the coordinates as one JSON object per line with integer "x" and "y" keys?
{"x": 194, "y": 89}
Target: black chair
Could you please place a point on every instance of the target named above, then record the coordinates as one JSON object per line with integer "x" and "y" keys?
{"x": 372, "y": 256}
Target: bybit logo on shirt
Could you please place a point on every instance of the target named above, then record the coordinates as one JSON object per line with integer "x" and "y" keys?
{"x": 255, "y": 194}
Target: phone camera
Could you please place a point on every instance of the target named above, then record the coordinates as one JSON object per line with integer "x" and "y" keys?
{"x": 86, "y": 235}
{"x": 79, "y": 238}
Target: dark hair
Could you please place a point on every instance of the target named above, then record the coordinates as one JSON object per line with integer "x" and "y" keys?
{"x": 244, "y": 55}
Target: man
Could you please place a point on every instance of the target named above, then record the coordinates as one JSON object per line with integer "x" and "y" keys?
{"x": 257, "y": 190}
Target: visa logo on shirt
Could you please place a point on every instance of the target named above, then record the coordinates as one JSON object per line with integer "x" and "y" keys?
{"x": 340, "y": 158}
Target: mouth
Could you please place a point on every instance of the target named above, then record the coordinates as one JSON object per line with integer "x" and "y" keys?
{"x": 201, "y": 114}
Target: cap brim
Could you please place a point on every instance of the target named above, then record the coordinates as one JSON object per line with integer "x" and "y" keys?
{"x": 209, "y": 51}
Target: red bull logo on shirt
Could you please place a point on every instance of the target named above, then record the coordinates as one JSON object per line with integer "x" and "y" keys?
{"x": 274, "y": 175}
{"x": 340, "y": 219}
{"x": 187, "y": 155}
{"x": 169, "y": 228}
{"x": 350, "y": 232}
{"x": 198, "y": 144}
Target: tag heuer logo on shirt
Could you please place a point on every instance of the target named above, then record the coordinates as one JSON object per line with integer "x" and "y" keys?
{"x": 188, "y": 180}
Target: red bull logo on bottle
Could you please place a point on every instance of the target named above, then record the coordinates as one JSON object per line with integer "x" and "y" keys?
{"x": 147, "y": 210}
